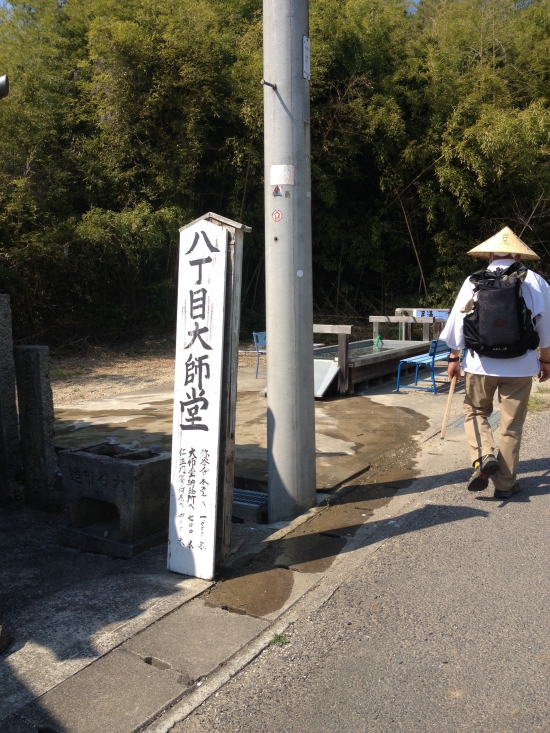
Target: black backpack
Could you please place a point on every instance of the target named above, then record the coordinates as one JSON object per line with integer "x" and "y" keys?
{"x": 500, "y": 324}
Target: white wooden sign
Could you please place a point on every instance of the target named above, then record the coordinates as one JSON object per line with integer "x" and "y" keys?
{"x": 197, "y": 399}
{"x": 281, "y": 175}
{"x": 439, "y": 315}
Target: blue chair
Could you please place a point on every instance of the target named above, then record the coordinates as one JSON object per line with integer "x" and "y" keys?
{"x": 439, "y": 351}
{"x": 260, "y": 346}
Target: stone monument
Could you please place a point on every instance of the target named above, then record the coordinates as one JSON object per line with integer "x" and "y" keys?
{"x": 36, "y": 419}
{"x": 9, "y": 432}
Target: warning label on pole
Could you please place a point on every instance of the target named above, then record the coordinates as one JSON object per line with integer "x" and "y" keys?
{"x": 277, "y": 215}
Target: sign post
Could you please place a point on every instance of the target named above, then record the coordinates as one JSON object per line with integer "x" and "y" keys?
{"x": 204, "y": 394}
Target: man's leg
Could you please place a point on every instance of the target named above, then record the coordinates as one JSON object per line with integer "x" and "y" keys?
{"x": 478, "y": 406}
{"x": 513, "y": 395}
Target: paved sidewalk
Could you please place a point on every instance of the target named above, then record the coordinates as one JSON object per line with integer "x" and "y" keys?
{"x": 170, "y": 641}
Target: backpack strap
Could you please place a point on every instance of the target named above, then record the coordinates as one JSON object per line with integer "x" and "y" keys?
{"x": 480, "y": 277}
{"x": 518, "y": 269}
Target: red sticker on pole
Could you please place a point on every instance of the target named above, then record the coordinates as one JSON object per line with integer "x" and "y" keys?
{"x": 277, "y": 215}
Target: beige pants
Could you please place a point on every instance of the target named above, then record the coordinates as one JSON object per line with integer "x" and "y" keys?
{"x": 513, "y": 396}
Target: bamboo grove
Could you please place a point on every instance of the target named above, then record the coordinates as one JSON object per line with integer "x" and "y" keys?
{"x": 126, "y": 120}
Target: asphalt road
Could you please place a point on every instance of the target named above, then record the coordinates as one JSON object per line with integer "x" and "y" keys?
{"x": 445, "y": 628}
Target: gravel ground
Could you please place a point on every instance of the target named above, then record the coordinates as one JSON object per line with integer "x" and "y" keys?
{"x": 445, "y": 629}
{"x": 102, "y": 372}
{"x": 76, "y": 379}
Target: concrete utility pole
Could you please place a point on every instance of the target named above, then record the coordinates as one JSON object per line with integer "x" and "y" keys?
{"x": 289, "y": 299}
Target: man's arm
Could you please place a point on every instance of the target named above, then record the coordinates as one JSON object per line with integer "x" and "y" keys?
{"x": 453, "y": 333}
{"x": 544, "y": 364}
{"x": 542, "y": 326}
{"x": 454, "y": 366}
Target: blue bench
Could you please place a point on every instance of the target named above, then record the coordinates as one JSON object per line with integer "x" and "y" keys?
{"x": 439, "y": 351}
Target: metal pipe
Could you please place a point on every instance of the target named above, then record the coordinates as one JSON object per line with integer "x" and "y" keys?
{"x": 289, "y": 298}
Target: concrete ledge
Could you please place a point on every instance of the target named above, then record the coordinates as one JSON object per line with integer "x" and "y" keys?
{"x": 45, "y": 654}
{"x": 118, "y": 694}
{"x": 93, "y": 539}
{"x": 129, "y": 687}
{"x": 196, "y": 638}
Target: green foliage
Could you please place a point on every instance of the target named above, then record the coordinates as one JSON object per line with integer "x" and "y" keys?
{"x": 279, "y": 640}
{"x": 539, "y": 400}
{"x": 430, "y": 131}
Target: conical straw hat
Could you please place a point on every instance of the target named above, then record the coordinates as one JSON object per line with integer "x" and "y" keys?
{"x": 504, "y": 242}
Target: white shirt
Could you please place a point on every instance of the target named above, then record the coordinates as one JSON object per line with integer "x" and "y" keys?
{"x": 536, "y": 293}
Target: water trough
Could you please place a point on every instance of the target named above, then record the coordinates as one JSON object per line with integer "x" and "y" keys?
{"x": 364, "y": 361}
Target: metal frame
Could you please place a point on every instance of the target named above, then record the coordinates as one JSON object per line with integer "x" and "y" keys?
{"x": 343, "y": 333}
{"x": 438, "y": 352}
{"x": 260, "y": 342}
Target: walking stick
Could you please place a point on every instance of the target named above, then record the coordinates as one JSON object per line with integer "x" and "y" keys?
{"x": 448, "y": 407}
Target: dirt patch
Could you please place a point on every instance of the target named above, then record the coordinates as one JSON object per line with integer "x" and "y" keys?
{"x": 102, "y": 372}
{"x": 105, "y": 371}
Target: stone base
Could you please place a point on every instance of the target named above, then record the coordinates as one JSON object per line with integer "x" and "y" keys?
{"x": 36, "y": 421}
{"x": 93, "y": 539}
{"x": 103, "y": 479}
